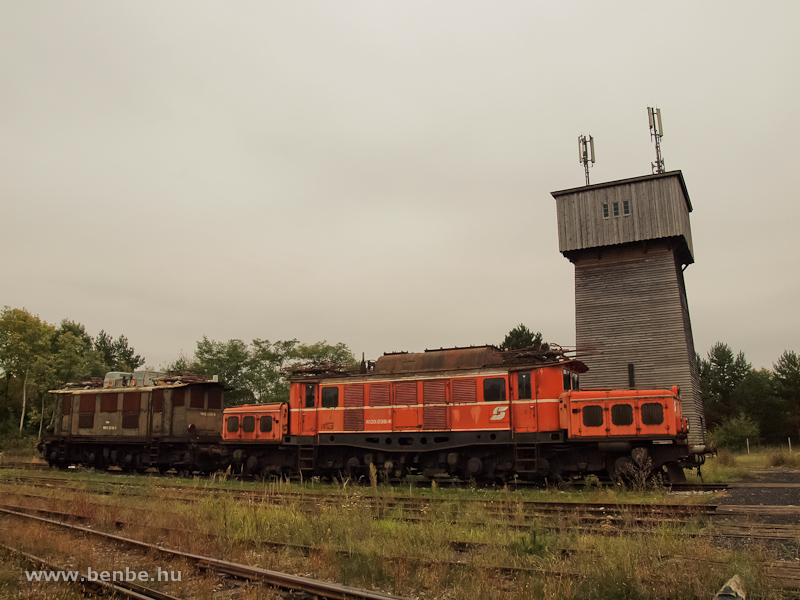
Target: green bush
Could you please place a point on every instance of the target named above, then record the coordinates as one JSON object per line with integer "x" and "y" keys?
{"x": 16, "y": 446}
{"x": 734, "y": 432}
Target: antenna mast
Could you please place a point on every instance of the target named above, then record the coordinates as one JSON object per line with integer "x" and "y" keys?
{"x": 656, "y": 133}
{"x": 586, "y": 153}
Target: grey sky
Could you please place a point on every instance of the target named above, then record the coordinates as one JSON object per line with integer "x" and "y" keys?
{"x": 379, "y": 173}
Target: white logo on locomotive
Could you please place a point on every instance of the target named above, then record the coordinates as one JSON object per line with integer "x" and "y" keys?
{"x": 499, "y": 413}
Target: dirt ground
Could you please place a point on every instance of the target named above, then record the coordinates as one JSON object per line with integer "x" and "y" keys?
{"x": 770, "y": 487}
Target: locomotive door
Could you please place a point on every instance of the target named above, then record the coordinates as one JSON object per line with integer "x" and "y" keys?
{"x": 308, "y": 410}
{"x": 406, "y": 410}
{"x": 67, "y": 408}
{"x": 524, "y": 413}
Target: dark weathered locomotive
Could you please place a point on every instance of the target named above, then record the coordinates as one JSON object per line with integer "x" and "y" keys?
{"x": 473, "y": 413}
{"x": 136, "y": 421}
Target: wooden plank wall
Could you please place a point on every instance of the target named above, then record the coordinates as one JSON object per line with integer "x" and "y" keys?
{"x": 630, "y": 305}
{"x": 658, "y": 207}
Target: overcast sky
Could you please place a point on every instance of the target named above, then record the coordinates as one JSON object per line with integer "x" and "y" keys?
{"x": 379, "y": 173}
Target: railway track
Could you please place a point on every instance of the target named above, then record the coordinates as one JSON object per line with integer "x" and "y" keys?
{"x": 283, "y": 581}
{"x": 558, "y": 517}
{"x": 27, "y": 466}
{"x": 498, "y": 507}
{"x": 784, "y": 572}
{"x": 123, "y": 589}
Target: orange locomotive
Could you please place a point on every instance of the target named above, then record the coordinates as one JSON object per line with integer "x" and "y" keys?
{"x": 476, "y": 413}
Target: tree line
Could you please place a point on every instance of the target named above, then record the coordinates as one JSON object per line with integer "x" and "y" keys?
{"x": 36, "y": 356}
{"x": 742, "y": 403}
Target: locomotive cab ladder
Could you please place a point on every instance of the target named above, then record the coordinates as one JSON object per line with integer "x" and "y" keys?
{"x": 526, "y": 458}
{"x": 306, "y": 456}
{"x": 153, "y": 450}
{"x": 62, "y": 450}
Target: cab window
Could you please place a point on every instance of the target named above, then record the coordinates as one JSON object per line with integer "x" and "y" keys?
{"x": 524, "y": 386}
{"x": 249, "y": 424}
{"x": 310, "y": 395}
{"x": 330, "y": 397}
{"x": 494, "y": 389}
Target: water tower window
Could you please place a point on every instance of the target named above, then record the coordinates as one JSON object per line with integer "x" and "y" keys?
{"x": 605, "y": 211}
{"x": 616, "y": 209}
{"x": 626, "y": 207}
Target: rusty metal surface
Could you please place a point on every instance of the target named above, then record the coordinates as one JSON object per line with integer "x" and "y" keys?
{"x": 440, "y": 360}
{"x": 473, "y": 357}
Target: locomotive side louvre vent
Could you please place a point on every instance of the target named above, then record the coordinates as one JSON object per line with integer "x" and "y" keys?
{"x": 353, "y": 401}
{"x": 130, "y": 401}
{"x": 464, "y": 391}
{"x": 354, "y": 419}
{"x": 622, "y": 415}
{"x": 406, "y": 393}
{"x": 86, "y": 415}
{"x": 434, "y": 392}
{"x": 652, "y": 413}
{"x": 87, "y": 403}
{"x": 108, "y": 403}
{"x": 354, "y": 395}
{"x": 214, "y": 398}
{"x": 266, "y": 424}
{"x": 197, "y": 397}
{"x": 232, "y": 424}
{"x": 158, "y": 401}
{"x": 130, "y": 420}
{"x": 178, "y": 395}
{"x": 434, "y": 417}
{"x": 380, "y": 394}
{"x": 593, "y": 416}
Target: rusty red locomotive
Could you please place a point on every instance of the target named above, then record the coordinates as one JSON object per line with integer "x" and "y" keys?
{"x": 472, "y": 413}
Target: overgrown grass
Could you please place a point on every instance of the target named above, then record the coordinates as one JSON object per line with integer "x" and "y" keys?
{"x": 19, "y": 448}
{"x": 363, "y": 539}
{"x": 781, "y": 457}
{"x": 729, "y": 466}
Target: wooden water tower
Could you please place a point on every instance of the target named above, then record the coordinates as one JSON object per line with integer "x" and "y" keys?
{"x": 630, "y": 242}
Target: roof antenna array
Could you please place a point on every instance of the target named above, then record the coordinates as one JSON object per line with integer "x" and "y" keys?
{"x": 656, "y": 133}
{"x": 586, "y": 153}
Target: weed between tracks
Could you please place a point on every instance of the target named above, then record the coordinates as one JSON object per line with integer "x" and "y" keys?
{"x": 366, "y": 539}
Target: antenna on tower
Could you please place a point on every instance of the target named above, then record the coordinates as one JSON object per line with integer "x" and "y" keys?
{"x": 656, "y": 133}
{"x": 586, "y": 153}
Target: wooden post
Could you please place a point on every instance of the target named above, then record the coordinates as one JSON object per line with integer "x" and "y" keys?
{"x": 748, "y": 445}
{"x": 790, "y": 444}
